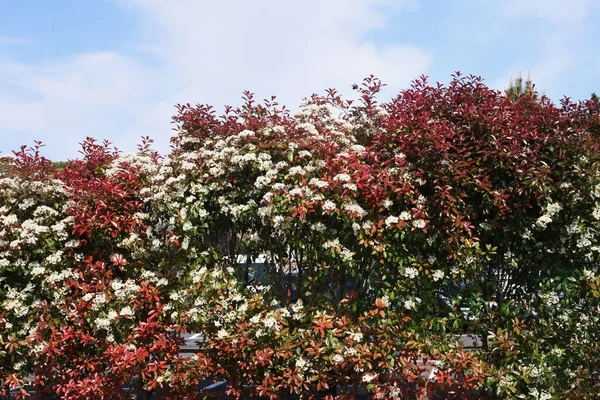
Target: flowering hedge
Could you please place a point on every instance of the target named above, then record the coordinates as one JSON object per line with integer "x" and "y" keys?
{"x": 390, "y": 233}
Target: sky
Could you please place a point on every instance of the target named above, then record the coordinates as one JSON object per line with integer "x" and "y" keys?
{"x": 115, "y": 69}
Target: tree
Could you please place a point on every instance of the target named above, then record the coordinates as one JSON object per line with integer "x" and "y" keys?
{"x": 518, "y": 87}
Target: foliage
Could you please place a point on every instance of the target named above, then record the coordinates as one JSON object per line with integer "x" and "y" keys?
{"x": 390, "y": 232}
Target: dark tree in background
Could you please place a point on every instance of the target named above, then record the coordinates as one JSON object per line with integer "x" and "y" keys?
{"x": 518, "y": 87}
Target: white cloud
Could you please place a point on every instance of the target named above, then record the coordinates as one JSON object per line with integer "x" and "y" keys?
{"x": 86, "y": 94}
{"x": 286, "y": 48}
{"x": 209, "y": 52}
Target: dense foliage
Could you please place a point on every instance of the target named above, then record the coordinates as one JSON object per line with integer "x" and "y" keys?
{"x": 390, "y": 233}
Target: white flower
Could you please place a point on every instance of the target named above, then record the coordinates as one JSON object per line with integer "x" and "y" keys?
{"x": 411, "y": 272}
{"x": 596, "y": 213}
{"x": 354, "y": 208}
{"x": 281, "y": 165}
{"x": 54, "y": 258}
{"x": 304, "y": 154}
{"x": 102, "y": 323}
{"x": 319, "y": 227}
{"x": 342, "y": 178}
{"x": 260, "y": 333}
{"x": 437, "y": 275}
{"x": 329, "y": 205}
{"x": 310, "y": 128}
{"x": 545, "y": 396}
{"x": 391, "y": 220}
{"x": 543, "y": 221}
{"x": 278, "y": 220}
{"x": 72, "y": 244}
{"x": 553, "y": 208}
{"x": 356, "y": 336}
{"x": 162, "y": 282}
{"x": 409, "y": 304}
{"x": 302, "y": 364}
{"x": 318, "y": 183}
{"x": 405, "y": 216}
{"x": 185, "y": 244}
{"x": 346, "y": 254}
{"x": 88, "y": 296}
{"x": 485, "y": 226}
{"x": 270, "y": 322}
{"x": 419, "y": 223}
{"x": 278, "y": 186}
{"x": 368, "y": 377}
{"x": 550, "y": 298}
{"x": 332, "y": 244}
{"x": 338, "y": 358}
{"x": 350, "y": 351}
{"x": 126, "y": 311}
{"x": 10, "y": 219}
{"x": 297, "y": 170}
{"x": 40, "y": 347}
{"x": 99, "y": 300}
{"x": 295, "y": 192}
{"x": 297, "y": 306}
{"x": 222, "y": 334}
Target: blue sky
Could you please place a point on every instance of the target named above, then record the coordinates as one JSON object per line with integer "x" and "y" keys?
{"x": 114, "y": 69}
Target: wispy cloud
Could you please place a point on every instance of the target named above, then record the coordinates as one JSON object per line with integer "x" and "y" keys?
{"x": 96, "y": 94}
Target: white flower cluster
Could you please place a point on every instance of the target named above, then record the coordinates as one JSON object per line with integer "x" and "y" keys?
{"x": 354, "y": 209}
{"x": 411, "y": 272}
{"x": 329, "y": 205}
{"x": 550, "y": 298}
{"x": 550, "y": 211}
{"x": 437, "y": 275}
{"x": 391, "y": 220}
{"x": 536, "y": 394}
{"x": 127, "y": 290}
